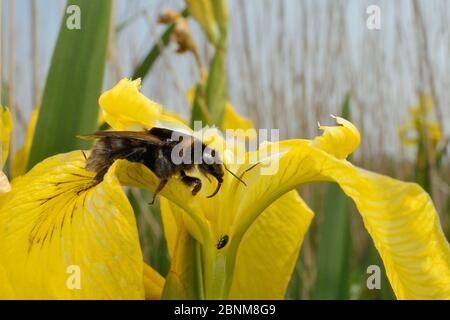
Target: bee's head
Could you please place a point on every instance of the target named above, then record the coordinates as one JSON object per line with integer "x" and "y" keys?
{"x": 216, "y": 170}
{"x": 214, "y": 166}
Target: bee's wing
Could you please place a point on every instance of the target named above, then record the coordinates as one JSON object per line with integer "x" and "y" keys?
{"x": 138, "y": 135}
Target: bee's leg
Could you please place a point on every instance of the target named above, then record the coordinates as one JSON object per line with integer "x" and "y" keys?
{"x": 101, "y": 172}
{"x": 161, "y": 185}
{"x": 205, "y": 173}
{"x": 139, "y": 151}
{"x": 191, "y": 181}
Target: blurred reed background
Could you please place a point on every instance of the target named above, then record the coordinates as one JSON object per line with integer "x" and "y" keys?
{"x": 291, "y": 63}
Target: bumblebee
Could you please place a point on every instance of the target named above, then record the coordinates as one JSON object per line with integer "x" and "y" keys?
{"x": 155, "y": 148}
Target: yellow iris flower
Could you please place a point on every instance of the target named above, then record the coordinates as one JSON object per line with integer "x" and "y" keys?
{"x": 411, "y": 132}
{"x": 56, "y": 217}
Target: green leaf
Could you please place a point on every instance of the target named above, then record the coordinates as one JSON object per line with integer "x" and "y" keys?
{"x": 69, "y": 104}
{"x": 442, "y": 152}
{"x": 334, "y": 248}
{"x": 199, "y": 109}
{"x": 294, "y": 290}
{"x": 145, "y": 66}
{"x": 4, "y": 101}
{"x": 346, "y": 112}
{"x": 215, "y": 94}
{"x": 447, "y": 210}
{"x": 220, "y": 8}
{"x": 216, "y": 87}
{"x": 422, "y": 170}
{"x": 209, "y": 102}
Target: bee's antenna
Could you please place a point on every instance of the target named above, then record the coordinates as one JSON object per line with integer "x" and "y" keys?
{"x": 84, "y": 155}
{"x": 239, "y": 179}
{"x": 248, "y": 169}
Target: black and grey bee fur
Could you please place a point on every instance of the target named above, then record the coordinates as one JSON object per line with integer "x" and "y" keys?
{"x": 154, "y": 148}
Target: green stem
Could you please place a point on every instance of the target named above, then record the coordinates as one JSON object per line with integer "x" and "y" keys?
{"x": 215, "y": 275}
{"x": 219, "y": 270}
{"x": 145, "y": 66}
{"x": 199, "y": 271}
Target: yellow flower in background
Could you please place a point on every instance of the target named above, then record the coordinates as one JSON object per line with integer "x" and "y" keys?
{"x": 240, "y": 244}
{"x": 427, "y": 136}
{"x": 412, "y": 132}
{"x": 6, "y": 126}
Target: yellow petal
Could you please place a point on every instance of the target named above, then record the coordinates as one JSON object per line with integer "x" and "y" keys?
{"x": 181, "y": 282}
{"x": 6, "y": 127}
{"x": 435, "y": 132}
{"x": 6, "y": 290}
{"x": 138, "y": 175}
{"x": 20, "y": 160}
{"x": 233, "y": 120}
{"x": 56, "y": 224}
{"x": 190, "y": 96}
{"x": 125, "y": 108}
{"x": 153, "y": 283}
{"x": 270, "y": 248}
{"x": 339, "y": 141}
{"x": 399, "y": 216}
{"x": 407, "y": 134}
{"x": 4, "y": 183}
{"x": 171, "y": 223}
{"x": 405, "y": 227}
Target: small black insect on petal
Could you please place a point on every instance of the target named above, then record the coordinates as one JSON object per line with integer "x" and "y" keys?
{"x": 222, "y": 242}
